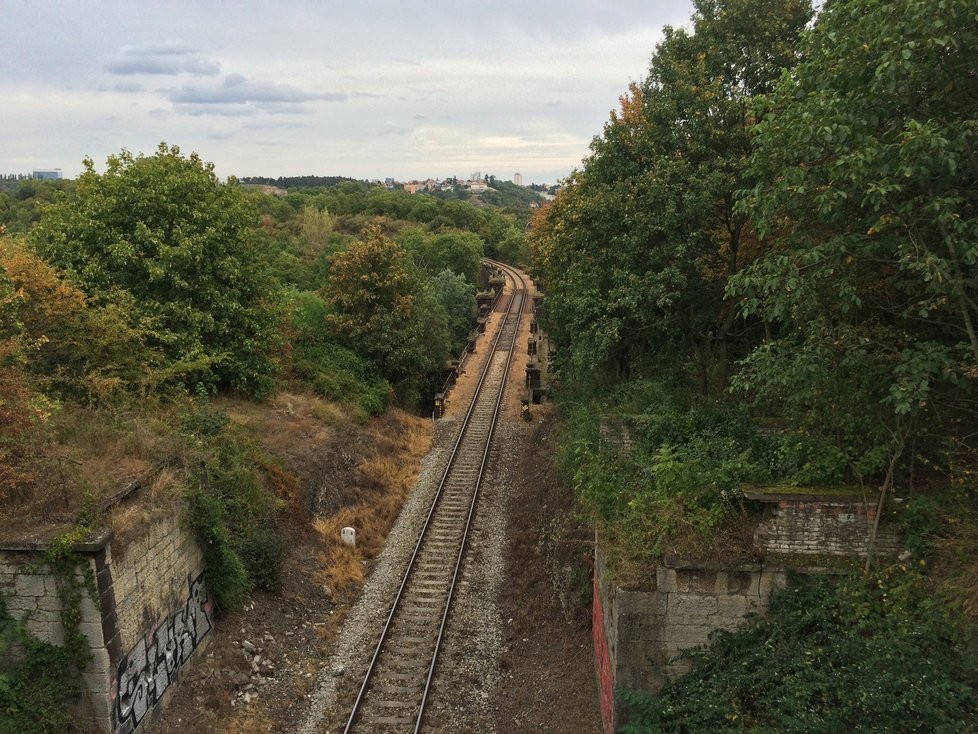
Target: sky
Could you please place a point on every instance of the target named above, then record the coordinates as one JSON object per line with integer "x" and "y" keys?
{"x": 362, "y": 88}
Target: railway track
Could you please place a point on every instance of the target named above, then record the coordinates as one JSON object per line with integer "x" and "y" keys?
{"x": 396, "y": 685}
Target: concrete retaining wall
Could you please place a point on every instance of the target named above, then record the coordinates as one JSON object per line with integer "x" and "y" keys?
{"x": 153, "y": 613}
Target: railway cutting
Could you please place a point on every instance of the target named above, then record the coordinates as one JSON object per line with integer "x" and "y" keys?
{"x": 394, "y": 686}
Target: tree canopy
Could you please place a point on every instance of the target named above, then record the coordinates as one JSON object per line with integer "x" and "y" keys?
{"x": 162, "y": 235}
{"x": 636, "y": 250}
{"x": 769, "y": 265}
{"x": 383, "y": 309}
{"x": 867, "y": 191}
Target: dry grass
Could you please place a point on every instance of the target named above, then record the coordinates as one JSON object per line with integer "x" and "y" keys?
{"x": 386, "y": 472}
{"x": 97, "y": 452}
{"x": 249, "y": 722}
{"x": 299, "y": 431}
{"x": 327, "y": 413}
{"x": 89, "y": 455}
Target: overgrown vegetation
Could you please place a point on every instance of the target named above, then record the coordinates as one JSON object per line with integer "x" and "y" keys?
{"x": 39, "y": 680}
{"x": 777, "y": 232}
{"x": 179, "y": 263}
{"x": 877, "y": 654}
{"x": 128, "y": 289}
{"x": 36, "y": 692}
{"x": 798, "y": 244}
{"x": 137, "y": 301}
{"x": 676, "y": 488}
{"x": 233, "y": 512}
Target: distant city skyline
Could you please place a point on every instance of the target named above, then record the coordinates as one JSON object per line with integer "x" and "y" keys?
{"x": 365, "y": 90}
{"x": 57, "y": 174}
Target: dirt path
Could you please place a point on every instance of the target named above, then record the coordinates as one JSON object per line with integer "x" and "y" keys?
{"x": 548, "y": 684}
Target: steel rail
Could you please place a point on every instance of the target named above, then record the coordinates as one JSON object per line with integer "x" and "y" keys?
{"x": 475, "y": 494}
{"x": 521, "y": 291}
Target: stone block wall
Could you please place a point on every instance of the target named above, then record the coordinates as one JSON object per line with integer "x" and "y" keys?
{"x": 618, "y": 432}
{"x": 694, "y": 601}
{"x": 638, "y": 634}
{"x": 162, "y": 615}
{"x": 149, "y": 577}
{"x": 30, "y": 592}
{"x": 151, "y": 614}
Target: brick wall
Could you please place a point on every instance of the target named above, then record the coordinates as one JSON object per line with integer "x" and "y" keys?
{"x": 833, "y": 527}
{"x": 618, "y": 433}
{"x": 602, "y": 660}
{"x": 152, "y": 614}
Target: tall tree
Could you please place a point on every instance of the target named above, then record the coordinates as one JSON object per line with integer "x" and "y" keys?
{"x": 457, "y": 298}
{"x": 77, "y": 347}
{"x": 636, "y": 254}
{"x": 384, "y": 309}
{"x": 867, "y": 190}
{"x": 161, "y": 233}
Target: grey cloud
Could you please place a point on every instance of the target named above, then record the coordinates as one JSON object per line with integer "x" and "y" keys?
{"x": 124, "y": 88}
{"x": 168, "y": 59}
{"x": 199, "y": 110}
{"x": 389, "y": 129}
{"x": 167, "y": 48}
{"x": 283, "y": 108}
{"x": 163, "y": 65}
{"x": 202, "y": 67}
{"x": 236, "y": 90}
{"x": 277, "y": 125}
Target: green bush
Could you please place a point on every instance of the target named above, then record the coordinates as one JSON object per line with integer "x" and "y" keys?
{"x": 680, "y": 480}
{"x": 232, "y": 512}
{"x": 161, "y": 237}
{"x": 262, "y": 550}
{"x": 920, "y": 522}
{"x": 338, "y": 374}
{"x": 334, "y": 372}
{"x": 227, "y": 577}
{"x": 851, "y": 655}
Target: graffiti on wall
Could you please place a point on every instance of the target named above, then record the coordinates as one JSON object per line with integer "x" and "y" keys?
{"x": 147, "y": 671}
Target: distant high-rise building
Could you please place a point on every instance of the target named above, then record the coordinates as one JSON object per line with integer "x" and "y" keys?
{"x": 518, "y": 179}
{"x": 51, "y": 175}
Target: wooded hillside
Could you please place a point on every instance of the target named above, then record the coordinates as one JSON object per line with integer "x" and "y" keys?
{"x": 770, "y": 257}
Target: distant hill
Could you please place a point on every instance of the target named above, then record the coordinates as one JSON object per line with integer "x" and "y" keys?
{"x": 507, "y": 195}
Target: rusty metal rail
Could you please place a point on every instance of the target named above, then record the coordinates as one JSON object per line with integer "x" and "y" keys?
{"x": 397, "y": 683}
